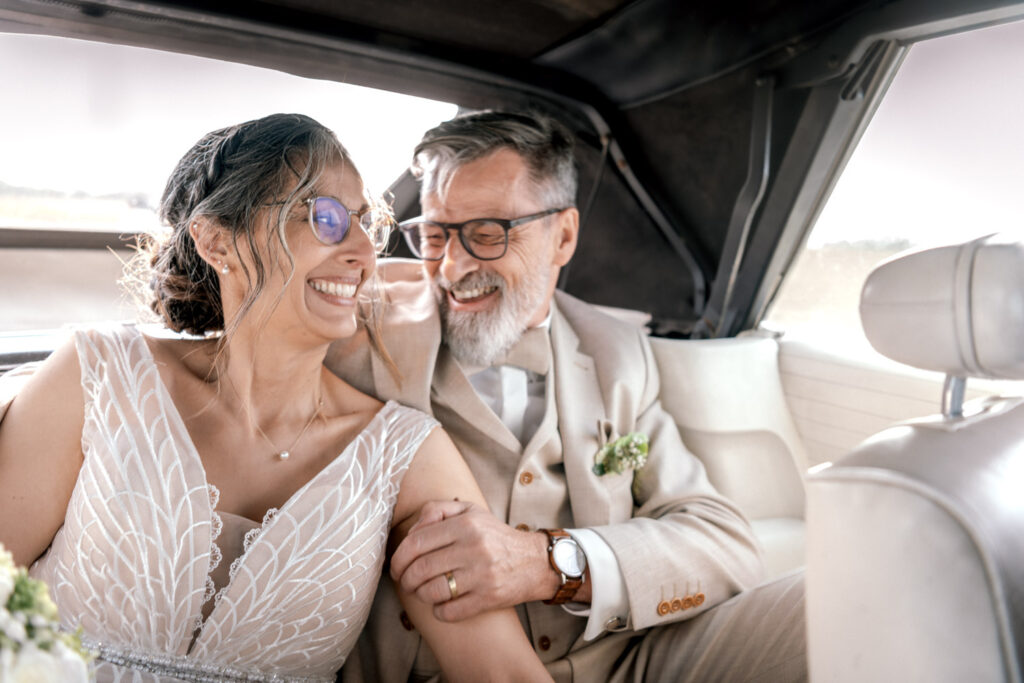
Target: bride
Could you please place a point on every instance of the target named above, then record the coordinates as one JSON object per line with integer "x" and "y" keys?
{"x": 218, "y": 507}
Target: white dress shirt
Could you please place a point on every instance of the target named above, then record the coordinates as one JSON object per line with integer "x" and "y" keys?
{"x": 517, "y": 397}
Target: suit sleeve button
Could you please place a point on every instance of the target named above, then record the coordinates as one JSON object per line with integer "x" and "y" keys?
{"x": 698, "y": 599}
{"x": 525, "y": 478}
{"x": 523, "y": 527}
{"x": 664, "y": 608}
{"x": 687, "y": 602}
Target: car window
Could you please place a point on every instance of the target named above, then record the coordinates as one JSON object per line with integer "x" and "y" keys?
{"x": 941, "y": 162}
{"x": 90, "y": 132}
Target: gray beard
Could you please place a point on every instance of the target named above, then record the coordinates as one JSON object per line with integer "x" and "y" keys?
{"x": 480, "y": 338}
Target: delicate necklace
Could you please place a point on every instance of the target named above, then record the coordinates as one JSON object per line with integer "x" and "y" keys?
{"x": 286, "y": 453}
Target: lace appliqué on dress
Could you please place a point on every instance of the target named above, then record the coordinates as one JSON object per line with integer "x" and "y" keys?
{"x": 130, "y": 563}
{"x": 216, "y": 556}
{"x": 250, "y": 538}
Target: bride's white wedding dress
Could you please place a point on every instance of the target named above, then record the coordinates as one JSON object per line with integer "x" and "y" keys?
{"x": 143, "y": 553}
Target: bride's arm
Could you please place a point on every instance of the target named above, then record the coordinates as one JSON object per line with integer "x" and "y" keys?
{"x": 41, "y": 455}
{"x": 491, "y": 646}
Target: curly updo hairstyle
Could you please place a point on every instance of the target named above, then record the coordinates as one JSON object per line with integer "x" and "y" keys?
{"x": 228, "y": 177}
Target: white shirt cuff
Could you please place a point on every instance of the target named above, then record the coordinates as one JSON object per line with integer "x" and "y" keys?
{"x": 609, "y": 602}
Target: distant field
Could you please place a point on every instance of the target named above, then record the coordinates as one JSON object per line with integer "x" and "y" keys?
{"x": 44, "y": 289}
{"x": 47, "y": 289}
{"x": 821, "y": 294}
{"x": 74, "y": 213}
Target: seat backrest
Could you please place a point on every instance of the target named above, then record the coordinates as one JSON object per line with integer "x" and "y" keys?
{"x": 915, "y": 568}
{"x": 726, "y": 397}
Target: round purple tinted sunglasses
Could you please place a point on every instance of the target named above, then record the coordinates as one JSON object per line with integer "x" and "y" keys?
{"x": 331, "y": 220}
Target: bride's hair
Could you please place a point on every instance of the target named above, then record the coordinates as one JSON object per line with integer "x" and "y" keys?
{"x": 227, "y": 178}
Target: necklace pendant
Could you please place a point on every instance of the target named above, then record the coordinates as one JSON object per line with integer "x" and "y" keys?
{"x": 283, "y": 455}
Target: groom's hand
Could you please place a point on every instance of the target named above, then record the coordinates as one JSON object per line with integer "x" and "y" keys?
{"x": 491, "y": 564}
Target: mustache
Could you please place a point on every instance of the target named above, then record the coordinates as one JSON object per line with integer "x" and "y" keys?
{"x": 473, "y": 280}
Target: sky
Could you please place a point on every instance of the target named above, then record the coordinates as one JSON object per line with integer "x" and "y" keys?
{"x": 943, "y": 158}
{"x": 941, "y": 161}
{"x": 104, "y": 118}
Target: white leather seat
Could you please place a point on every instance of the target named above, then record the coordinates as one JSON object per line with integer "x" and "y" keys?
{"x": 915, "y": 567}
{"x": 726, "y": 397}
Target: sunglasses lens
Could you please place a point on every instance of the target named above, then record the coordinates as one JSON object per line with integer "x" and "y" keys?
{"x": 330, "y": 219}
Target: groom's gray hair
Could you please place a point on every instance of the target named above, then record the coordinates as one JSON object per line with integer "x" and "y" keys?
{"x": 545, "y": 145}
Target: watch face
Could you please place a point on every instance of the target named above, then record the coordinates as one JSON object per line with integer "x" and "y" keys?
{"x": 569, "y": 558}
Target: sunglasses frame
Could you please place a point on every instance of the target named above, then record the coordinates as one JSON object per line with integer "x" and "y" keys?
{"x": 310, "y": 215}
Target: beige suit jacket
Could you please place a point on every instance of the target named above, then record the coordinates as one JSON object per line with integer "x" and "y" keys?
{"x": 673, "y": 535}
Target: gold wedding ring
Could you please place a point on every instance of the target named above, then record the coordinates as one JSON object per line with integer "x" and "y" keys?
{"x": 452, "y": 587}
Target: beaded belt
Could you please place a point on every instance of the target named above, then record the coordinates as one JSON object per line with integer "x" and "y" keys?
{"x": 188, "y": 669}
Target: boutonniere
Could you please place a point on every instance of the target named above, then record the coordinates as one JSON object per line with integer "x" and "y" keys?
{"x": 627, "y": 452}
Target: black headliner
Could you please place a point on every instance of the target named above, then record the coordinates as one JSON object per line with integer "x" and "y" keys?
{"x": 716, "y": 128}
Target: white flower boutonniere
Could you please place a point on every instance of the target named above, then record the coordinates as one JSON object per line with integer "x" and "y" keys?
{"x": 31, "y": 646}
{"x": 627, "y": 452}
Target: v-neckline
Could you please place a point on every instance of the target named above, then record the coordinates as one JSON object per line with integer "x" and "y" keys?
{"x": 265, "y": 526}
{"x": 180, "y": 423}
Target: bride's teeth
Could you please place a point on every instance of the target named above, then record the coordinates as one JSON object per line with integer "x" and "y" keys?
{"x": 334, "y": 288}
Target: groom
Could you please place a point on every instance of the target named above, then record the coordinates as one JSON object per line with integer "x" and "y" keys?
{"x": 622, "y": 565}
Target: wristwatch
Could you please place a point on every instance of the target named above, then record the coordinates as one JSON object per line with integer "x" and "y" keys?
{"x": 568, "y": 561}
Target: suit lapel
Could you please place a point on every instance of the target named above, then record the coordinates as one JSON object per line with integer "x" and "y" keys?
{"x": 453, "y": 391}
{"x": 580, "y": 407}
{"x": 412, "y": 386}
{"x": 411, "y": 329}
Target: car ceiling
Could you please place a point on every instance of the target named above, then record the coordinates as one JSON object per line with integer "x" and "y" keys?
{"x": 710, "y": 132}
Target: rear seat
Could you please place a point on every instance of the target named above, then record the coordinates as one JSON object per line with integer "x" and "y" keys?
{"x": 726, "y": 397}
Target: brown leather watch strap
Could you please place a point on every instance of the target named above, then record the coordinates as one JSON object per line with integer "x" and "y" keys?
{"x": 566, "y": 592}
{"x": 570, "y": 584}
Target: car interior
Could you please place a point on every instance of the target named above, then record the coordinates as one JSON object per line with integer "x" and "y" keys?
{"x": 710, "y": 138}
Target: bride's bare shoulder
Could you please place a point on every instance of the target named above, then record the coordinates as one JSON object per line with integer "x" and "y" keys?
{"x": 181, "y": 357}
{"x": 348, "y": 400}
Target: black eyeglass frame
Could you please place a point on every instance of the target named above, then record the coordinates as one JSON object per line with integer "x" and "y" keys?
{"x": 504, "y": 223}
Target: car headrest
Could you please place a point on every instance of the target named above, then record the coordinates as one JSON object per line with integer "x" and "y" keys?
{"x": 956, "y": 309}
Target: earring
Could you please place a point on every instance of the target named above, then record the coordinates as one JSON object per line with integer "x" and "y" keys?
{"x": 224, "y": 269}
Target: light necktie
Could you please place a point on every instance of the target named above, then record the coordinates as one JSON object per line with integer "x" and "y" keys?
{"x": 524, "y": 364}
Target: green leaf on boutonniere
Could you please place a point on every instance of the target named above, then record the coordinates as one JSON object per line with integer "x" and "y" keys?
{"x": 627, "y": 452}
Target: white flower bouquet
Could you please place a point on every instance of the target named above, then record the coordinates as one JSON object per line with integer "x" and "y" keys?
{"x": 32, "y": 648}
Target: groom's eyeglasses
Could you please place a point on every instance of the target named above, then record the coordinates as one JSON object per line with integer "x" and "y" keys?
{"x": 483, "y": 238}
